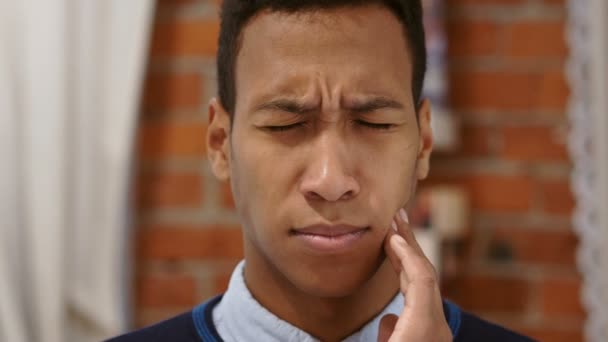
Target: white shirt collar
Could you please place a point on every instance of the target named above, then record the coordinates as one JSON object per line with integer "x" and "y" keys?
{"x": 239, "y": 317}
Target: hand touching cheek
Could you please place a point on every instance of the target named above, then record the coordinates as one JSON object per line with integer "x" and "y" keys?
{"x": 422, "y": 318}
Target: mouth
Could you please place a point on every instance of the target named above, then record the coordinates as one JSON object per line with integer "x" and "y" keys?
{"x": 328, "y": 239}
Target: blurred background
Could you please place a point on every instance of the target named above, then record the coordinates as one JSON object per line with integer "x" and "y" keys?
{"x": 504, "y": 175}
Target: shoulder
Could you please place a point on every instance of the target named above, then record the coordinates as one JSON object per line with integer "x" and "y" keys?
{"x": 471, "y": 328}
{"x": 179, "y": 328}
{"x": 195, "y": 325}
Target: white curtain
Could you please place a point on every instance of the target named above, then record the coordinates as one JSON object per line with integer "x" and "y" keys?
{"x": 588, "y": 111}
{"x": 70, "y": 78}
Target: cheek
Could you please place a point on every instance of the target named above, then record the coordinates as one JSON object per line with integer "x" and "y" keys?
{"x": 391, "y": 182}
{"x": 259, "y": 184}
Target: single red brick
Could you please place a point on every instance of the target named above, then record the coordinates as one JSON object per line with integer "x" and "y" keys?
{"x": 168, "y": 290}
{"x": 169, "y": 190}
{"x": 172, "y": 91}
{"x": 541, "y": 247}
{"x": 561, "y": 296}
{"x": 441, "y": 177}
{"x": 557, "y": 197}
{"x": 170, "y": 139}
{"x": 536, "y": 39}
{"x": 472, "y": 38}
{"x": 475, "y": 140}
{"x": 498, "y": 193}
{"x": 485, "y": 293}
{"x": 534, "y": 143}
{"x": 485, "y": 90}
{"x": 185, "y": 37}
{"x": 190, "y": 243}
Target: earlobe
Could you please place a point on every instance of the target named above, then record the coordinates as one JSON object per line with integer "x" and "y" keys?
{"x": 426, "y": 140}
{"x": 218, "y": 140}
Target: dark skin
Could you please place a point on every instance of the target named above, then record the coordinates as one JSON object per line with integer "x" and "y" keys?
{"x": 325, "y": 132}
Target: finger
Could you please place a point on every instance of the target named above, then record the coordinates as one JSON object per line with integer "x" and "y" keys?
{"x": 387, "y": 325}
{"x": 418, "y": 278}
{"x": 393, "y": 258}
{"x": 423, "y": 311}
{"x": 404, "y": 229}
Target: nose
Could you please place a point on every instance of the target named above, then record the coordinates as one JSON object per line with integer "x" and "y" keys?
{"x": 327, "y": 176}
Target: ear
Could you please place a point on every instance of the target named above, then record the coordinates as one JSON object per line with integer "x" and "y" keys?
{"x": 218, "y": 140}
{"x": 426, "y": 140}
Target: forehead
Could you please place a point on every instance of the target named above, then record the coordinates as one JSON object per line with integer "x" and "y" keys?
{"x": 358, "y": 24}
{"x": 361, "y": 46}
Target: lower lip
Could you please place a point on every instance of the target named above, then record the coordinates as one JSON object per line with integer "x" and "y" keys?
{"x": 331, "y": 244}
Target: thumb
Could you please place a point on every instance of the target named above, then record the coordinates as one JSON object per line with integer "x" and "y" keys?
{"x": 387, "y": 325}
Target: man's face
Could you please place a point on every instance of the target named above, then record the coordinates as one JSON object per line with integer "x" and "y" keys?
{"x": 324, "y": 142}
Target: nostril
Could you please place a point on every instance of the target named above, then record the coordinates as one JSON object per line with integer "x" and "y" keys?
{"x": 330, "y": 184}
{"x": 313, "y": 196}
{"x": 348, "y": 195}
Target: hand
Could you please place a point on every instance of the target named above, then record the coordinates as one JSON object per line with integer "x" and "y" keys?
{"x": 422, "y": 318}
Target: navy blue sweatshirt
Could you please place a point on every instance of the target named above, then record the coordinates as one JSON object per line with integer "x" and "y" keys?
{"x": 197, "y": 325}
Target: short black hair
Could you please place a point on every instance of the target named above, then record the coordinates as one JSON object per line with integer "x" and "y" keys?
{"x": 235, "y": 14}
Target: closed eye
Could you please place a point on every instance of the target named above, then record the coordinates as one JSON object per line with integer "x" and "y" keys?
{"x": 284, "y": 127}
{"x": 378, "y": 126}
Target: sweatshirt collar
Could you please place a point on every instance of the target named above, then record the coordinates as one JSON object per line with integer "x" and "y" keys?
{"x": 239, "y": 317}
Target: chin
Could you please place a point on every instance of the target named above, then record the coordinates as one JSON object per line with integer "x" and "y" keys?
{"x": 334, "y": 279}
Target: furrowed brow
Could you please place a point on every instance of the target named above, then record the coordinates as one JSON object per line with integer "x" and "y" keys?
{"x": 373, "y": 104}
{"x": 285, "y": 105}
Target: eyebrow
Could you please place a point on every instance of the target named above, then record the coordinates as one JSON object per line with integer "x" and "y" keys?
{"x": 357, "y": 106}
{"x": 372, "y": 104}
{"x": 286, "y": 105}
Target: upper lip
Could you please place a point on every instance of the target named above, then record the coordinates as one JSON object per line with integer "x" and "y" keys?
{"x": 329, "y": 230}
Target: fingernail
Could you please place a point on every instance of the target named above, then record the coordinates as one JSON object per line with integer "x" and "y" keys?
{"x": 403, "y": 215}
{"x": 394, "y": 225}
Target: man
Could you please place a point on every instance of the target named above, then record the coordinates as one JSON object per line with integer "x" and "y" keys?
{"x": 322, "y": 132}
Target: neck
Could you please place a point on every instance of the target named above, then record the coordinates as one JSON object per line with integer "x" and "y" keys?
{"x": 329, "y": 319}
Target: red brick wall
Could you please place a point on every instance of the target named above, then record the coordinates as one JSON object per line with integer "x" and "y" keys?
{"x": 507, "y": 88}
